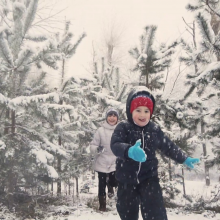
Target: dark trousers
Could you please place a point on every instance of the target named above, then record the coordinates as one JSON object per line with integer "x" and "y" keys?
{"x": 103, "y": 182}
{"x": 147, "y": 194}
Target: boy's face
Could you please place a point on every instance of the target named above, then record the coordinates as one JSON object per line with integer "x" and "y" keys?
{"x": 141, "y": 116}
{"x": 112, "y": 119}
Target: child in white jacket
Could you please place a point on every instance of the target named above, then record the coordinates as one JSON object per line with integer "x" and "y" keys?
{"x": 104, "y": 162}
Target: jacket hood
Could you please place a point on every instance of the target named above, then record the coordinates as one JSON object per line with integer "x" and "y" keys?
{"x": 139, "y": 91}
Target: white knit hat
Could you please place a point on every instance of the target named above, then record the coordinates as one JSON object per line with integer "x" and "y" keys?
{"x": 111, "y": 111}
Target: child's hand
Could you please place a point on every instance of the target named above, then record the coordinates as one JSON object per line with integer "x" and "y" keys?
{"x": 100, "y": 149}
{"x": 136, "y": 152}
{"x": 189, "y": 162}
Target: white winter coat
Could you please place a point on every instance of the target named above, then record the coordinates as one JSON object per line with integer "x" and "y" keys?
{"x": 105, "y": 161}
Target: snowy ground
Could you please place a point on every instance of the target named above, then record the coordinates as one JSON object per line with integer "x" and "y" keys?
{"x": 111, "y": 216}
{"x": 80, "y": 211}
{"x": 194, "y": 188}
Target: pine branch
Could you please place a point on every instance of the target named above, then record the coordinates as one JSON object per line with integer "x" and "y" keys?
{"x": 50, "y": 146}
{"x": 134, "y": 52}
{"x": 73, "y": 49}
{"x": 5, "y": 51}
{"x": 23, "y": 57}
{"x": 121, "y": 92}
{"x": 189, "y": 92}
{"x": 35, "y": 39}
{"x": 150, "y": 39}
{"x": 3, "y": 99}
{"x": 193, "y": 8}
{"x": 204, "y": 27}
{"x": 30, "y": 15}
{"x": 207, "y": 3}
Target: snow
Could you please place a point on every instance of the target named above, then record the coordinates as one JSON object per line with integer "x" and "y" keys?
{"x": 142, "y": 88}
{"x": 113, "y": 216}
{"x": 25, "y": 100}
{"x": 2, "y": 145}
{"x": 179, "y": 115}
{"x": 195, "y": 188}
{"x": 214, "y": 66}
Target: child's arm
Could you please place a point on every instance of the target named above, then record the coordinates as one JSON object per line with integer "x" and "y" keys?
{"x": 119, "y": 146}
{"x": 95, "y": 143}
{"x": 170, "y": 149}
{"x": 174, "y": 152}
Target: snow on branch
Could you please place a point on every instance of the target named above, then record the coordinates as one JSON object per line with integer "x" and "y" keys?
{"x": 5, "y": 52}
{"x": 25, "y": 100}
{"x": 30, "y": 15}
{"x": 51, "y": 172}
{"x": 2, "y": 145}
{"x": 49, "y": 146}
{"x": 205, "y": 27}
{"x": 58, "y": 107}
{"x": 43, "y": 158}
{"x": 24, "y": 57}
{"x": 3, "y": 99}
{"x": 109, "y": 100}
{"x": 212, "y": 67}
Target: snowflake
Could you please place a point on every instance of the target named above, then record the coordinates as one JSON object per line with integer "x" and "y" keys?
{"x": 179, "y": 115}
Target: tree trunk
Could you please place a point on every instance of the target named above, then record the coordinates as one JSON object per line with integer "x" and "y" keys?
{"x": 184, "y": 188}
{"x": 59, "y": 179}
{"x": 69, "y": 185}
{"x": 11, "y": 176}
{"x": 147, "y": 81}
{"x": 13, "y": 121}
{"x": 73, "y": 193}
{"x": 207, "y": 179}
{"x": 170, "y": 178}
{"x": 77, "y": 187}
{"x": 52, "y": 187}
{"x": 170, "y": 171}
{"x": 59, "y": 189}
{"x": 10, "y": 188}
{"x": 7, "y": 116}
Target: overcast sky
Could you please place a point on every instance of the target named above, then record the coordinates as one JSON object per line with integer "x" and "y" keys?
{"x": 130, "y": 16}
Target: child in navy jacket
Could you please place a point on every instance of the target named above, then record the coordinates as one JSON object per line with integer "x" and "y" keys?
{"x": 134, "y": 142}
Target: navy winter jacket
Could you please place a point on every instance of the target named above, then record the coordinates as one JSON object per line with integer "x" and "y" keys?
{"x": 152, "y": 138}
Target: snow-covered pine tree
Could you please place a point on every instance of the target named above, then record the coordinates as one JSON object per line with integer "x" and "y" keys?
{"x": 150, "y": 60}
{"x": 204, "y": 80}
{"x": 25, "y": 149}
{"x": 113, "y": 91}
{"x": 67, "y": 50}
{"x": 180, "y": 123}
{"x": 107, "y": 72}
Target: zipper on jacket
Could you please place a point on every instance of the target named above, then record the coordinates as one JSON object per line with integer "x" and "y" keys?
{"x": 140, "y": 162}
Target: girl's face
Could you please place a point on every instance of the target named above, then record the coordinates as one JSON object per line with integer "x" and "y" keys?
{"x": 112, "y": 119}
{"x": 141, "y": 116}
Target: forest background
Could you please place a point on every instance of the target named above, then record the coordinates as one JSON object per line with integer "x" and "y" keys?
{"x": 53, "y": 98}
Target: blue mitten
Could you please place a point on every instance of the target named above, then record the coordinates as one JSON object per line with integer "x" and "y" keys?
{"x": 136, "y": 152}
{"x": 189, "y": 162}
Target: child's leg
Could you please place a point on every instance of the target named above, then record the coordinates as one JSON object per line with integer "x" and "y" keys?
{"x": 128, "y": 202}
{"x": 152, "y": 206}
{"x": 112, "y": 181}
{"x": 102, "y": 193}
{"x": 102, "y": 183}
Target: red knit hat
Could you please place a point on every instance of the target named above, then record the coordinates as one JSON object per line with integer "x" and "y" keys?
{"x": 142, "y": 101}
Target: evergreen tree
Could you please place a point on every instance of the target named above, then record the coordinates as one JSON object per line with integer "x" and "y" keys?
{"x": 204, "y": 57}
{"x": 151, "y": 61}
{"x": 27, "y": 151}
{"x": 109, "y": 77}
{"x": 66, "y": 88}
